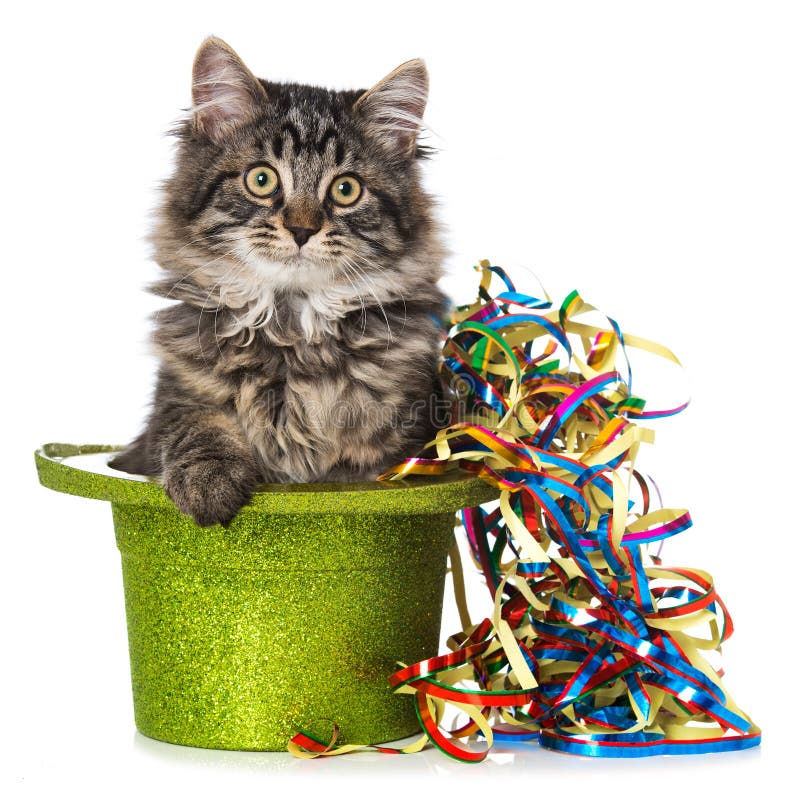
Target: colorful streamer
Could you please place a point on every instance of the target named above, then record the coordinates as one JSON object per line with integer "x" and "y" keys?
{"x": 594, "y": 646}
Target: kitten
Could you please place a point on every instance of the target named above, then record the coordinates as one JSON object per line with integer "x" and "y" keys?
{"x": 303, "y": 256}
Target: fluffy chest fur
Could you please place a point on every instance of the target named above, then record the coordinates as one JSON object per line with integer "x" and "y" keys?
{"x": 347, "y": 403}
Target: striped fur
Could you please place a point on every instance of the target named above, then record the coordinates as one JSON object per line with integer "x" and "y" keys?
{"x": 284, "y": 361}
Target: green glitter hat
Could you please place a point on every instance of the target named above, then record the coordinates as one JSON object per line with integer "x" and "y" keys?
{"x": 292, "y": 616}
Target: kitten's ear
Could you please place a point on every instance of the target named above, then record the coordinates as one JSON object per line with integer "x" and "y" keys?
{"x": 224, "y": 92}
{"x": 393, "y": 107}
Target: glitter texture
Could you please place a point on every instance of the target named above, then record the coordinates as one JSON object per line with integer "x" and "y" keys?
{"x": 293, "y": 617}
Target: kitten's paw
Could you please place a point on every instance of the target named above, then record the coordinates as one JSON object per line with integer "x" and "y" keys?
{"x": 211, "y": 491}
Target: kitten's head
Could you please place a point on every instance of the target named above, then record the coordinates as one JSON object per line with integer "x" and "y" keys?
{"x": 284, "y": 189}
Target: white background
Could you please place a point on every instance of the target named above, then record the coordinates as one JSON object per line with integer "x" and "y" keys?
{"x": 645, "y": 153}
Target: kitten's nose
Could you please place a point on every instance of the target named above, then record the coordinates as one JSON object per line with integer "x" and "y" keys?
{"x": 301, "y": 235}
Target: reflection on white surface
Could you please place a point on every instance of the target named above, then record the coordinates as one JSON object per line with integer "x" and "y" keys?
{"x": 506, "y": 760}
{"x": 98, "y": 464}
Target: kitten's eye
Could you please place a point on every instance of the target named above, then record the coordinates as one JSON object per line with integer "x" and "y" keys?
{"x": 345, "y": 190}
{"x": 261, "y": 180}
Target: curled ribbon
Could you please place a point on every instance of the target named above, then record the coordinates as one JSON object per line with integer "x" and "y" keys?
{"x": 594, "y": 646}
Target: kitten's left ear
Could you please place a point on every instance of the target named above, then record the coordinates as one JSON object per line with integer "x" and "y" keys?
{"x": 393, "y": 107}
{"x": 224, "y": 91}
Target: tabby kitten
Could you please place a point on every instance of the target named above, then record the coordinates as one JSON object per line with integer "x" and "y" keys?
{"x": 303, "y": 257}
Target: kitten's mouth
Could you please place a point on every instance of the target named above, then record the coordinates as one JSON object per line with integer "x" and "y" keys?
{"x": 295, "y": 271}
{"x": 302, "y": 260}
{"x": 298, "y": 259}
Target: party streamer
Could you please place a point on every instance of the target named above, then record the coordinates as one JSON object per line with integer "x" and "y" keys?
{"x": 594, "y": 646}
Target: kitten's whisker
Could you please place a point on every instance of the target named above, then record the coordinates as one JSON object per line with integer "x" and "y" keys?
{"x": 184, "y": 278}
{"x": 218, "y": 300}
{"x": 204, "y": 265}
{"x": 236, "y": 270}
{"x": 202, "y": 238}
{"x": 385, "y": 273}
{"x": 244, "y": 324}
{"x": 370, "y": 288}
{"x": 360, "y": 299}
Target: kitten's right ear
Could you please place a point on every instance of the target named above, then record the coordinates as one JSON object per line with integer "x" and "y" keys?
{"x": 224, "y": 92}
